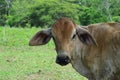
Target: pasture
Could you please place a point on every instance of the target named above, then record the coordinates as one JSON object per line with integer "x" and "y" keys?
{"x": 18, "y": 61}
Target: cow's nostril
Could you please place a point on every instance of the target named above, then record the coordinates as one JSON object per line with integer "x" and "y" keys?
{"x": 62, "y": 60}
{"x": 66, "y": 59}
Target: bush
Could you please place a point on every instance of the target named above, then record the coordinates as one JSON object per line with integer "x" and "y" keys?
{"x": 2, "y": 12}
{"x": 90, "y": 15}
{"x": 116, "y": 18}
{"x": 43, "y": 13}
{"x": 47, "y": 12}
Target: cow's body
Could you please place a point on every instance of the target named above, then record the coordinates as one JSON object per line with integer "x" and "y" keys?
{"x": 101, "y": 62}
{"x": 94, "y": 52}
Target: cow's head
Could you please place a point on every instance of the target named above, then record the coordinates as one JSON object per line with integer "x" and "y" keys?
{"x": 64, "y": 33}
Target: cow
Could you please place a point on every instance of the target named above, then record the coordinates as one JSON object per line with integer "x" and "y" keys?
{"x": 93, "y": 50}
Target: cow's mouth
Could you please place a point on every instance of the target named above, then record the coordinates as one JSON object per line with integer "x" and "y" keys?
{"x": 62, "y": 61}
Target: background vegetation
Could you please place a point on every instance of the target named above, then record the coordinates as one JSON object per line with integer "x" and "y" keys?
{"x": 43, "y": 13}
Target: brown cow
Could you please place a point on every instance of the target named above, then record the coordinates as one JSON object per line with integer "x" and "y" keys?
{"x": 93, "y": 50}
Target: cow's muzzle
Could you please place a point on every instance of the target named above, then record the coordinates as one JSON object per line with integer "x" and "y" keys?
{"x": 62, "y": 60}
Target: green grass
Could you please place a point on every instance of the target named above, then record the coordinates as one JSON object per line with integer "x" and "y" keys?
{"x": 18, "y": 61}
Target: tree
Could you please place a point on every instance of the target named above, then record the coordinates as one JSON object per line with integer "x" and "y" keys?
{"x": 41, "y": 13}
{"x": 45, "y": 12}
{"x": 2, "y": 12}
{"x": 20, "y": 11}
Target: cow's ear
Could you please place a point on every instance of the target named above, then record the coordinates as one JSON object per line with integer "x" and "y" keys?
{"x": 41, "y": 38}
{"x": 84, "y": 36}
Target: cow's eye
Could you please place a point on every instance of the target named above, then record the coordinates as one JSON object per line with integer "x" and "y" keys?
{"x": 74, "y": 36}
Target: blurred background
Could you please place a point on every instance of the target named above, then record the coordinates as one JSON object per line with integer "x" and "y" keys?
{"x": 43, "y": 13}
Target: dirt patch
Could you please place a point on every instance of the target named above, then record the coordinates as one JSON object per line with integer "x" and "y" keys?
{"x": 11, "y": 59}
{"x": 33, "y": 76}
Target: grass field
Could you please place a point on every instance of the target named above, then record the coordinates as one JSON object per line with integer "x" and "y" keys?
{"x": 18, "y": 61}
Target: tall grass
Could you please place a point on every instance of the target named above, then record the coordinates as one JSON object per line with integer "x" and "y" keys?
{"x": 18, "y": 61}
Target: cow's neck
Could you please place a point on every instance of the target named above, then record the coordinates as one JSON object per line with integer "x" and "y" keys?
{"x": 78, "y": 60}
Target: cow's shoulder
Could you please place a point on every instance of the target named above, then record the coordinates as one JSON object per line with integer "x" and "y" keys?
{"x": 107, "y": 36}
{"x": 107, "y": 27}
{"x": 104, "y": 32}
{"x": 114, "y": 24}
